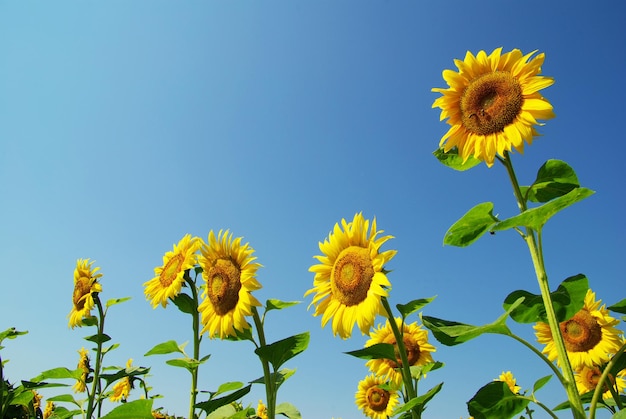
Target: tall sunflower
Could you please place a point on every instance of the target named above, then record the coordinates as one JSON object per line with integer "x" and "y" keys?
{"x": 229, "y": 270}
{"x": 507, "y": 377}
{"x": 83, "y": 363}
{"x": 590, "y": 336}
{"x": 85, "y": 284}
{"x": 415, "y": 338}
{"x": 350, "y": 280}
{"x": 493, "y": 103}
{"x": 376, "y": 401}
{"x": 587, "y": 380}
{"x": 169, "y": 277}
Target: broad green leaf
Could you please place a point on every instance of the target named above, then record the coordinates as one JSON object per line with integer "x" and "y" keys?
{"x": 567, "y": 300}
{"x": 476, "y": 222}
{"x": 419, "y": 371}
{"x": 555, "y": 178}
{"x": 619, "y": 415}
{"x": 376, "y": 351}
{"x": 453, "y": 333}
{"x": 68, "y": 398}
{"x": 226, "y": 387}
{"x": 619, "y": 307}
{"x": 279, "y": 377}
{"x": 279, "y": 352}
{"x": 98, "y": 338}
{"x": 21, "y": 396}
{"x": 211, "y": 405}
{"x": 187, "y": 363}
{"x": 496, "y": 401}
{"x": 11, "y": 333}
{"x": 89, "y": 321}
{"x": 273, "y": 304}
{"x": 541, "y": 382}
{"x": 137, "y": 409}
{"x": 110, "y": 348}
{"x": 418, "y": 401}
{"x": 454, "y": 161}
{"x": 535, "y": 218}
{"x": 59, "y": 374}
{"x": 185, "y": 303}
{"x": 411, "y": 307}
{"x": 166, "y": 348}
{"x": 41, "y": 384}
{"x": 117, "y": 301}
{"x": 289, "y": 410}
{"x": 121, "y": 373}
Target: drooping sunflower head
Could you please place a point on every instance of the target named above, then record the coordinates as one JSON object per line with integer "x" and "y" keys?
{"x": 507, "y": 377}
{"x": 587, "y": 380}
{"x": 85, "y": 284}
{"x": 590, "y": 336}
{"x": 415, "y": 339}
{"x": 122, "y": 388}
{"x": 376, "y": 401}
{"x": 493, "y": 103}
{"x": 170, "y": 276}
{"x": 229, "y": 271}
{"x": 83, "y": 363}
{"x": 350, "y": 280}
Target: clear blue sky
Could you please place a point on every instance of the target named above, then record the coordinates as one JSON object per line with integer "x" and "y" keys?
{"x": 126, "y": 124}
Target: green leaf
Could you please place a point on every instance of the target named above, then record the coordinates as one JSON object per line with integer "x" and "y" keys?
{"x": 619, "y": 415}
{"x": 11, "y": 333}
{"x": 59, "y": 374}
{"x": 246, "y": 334}
{"x": 411, "y": 307}
{"x": 568, "y": 299}
{"x": 454, "y": 161}
{"x": 376, "y": 351}
{"x": 535, "y": 218}
{"x": 137, "y": 409}
{"x": 114, "y": 301}
{"x": 68, "y": 398}
{"x": 419, "y": 371}
{"x": 476, "y": 222}
{"x": 166, "y": 348}
{"x": 289, "y": 410}
{"x": 187, "y": 363}
{"x": 541, "y": 382}
{"x": 279, "y": 352}
{"x": 418, "y": 401}
{"x": 42, "y": 384}
{"x": 121, "y": 373}
{"x": 279, "y": 377}
{"x": 273, "y": 304}
{"x": 21, "y": 396}
{"x": 619, "y": 307}
{"x": 98, "y": 338}
{"x": 110, "y": 348}
{"x": 89, "y": 321}
{"x": 226, "y": 387}
{"x": 185, "y": 303}
{"x": 495, "y": 401}
{"x": 453, "y": 333}
{"x": 211, "y": 405}
{"x": 555, "y": 178}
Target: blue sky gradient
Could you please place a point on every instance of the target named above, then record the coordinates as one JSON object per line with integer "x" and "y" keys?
{"x": 125, "y": 125}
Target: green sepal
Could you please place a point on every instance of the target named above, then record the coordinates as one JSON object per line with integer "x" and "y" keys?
{"x": 454, "y": 161}
{"x": 375, "y": 351}
{"x": 554, "y": 179}
{"x": 567, "y": 300}
{"x": 137, "y": 409}
{"x": 273, "y": 304}
{"x": 185, "y": 303}
{"x": 535, "y": 218}
{"x": 98, "y": 338}
{"x": 496, "y": 401}
{"x": 114, "y": 301}
{"x": 473, "y": 224}
{"x": 419, "y": 401}
{"x": 411, "y": 307}
{"x": 281, "y": 351}
{"x": 166, "y": 348}
{"x": 452, "y": 333}
{"x": 619, "y": 307}
{"x": 213, "y": 404}
{"x": 289, "y": 410}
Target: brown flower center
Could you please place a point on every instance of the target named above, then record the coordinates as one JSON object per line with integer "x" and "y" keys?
{"x": 592, "y": 378}
{"x": 352, "y": 275}
{"x": 491, "y": 102}
{"x": 412, "y": 351}
{"x": 171, "y": 270}
{"x": 377, "y": 399}
{"x": 223, "y": 285}
{"x": 81, "y": 289}
{"x": 582, "y": 332}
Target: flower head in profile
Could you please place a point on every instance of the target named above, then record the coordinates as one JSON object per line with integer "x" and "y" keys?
{"x": 170, "y": 276}
{"x": 587, "y": 380}
{"x": 85, "y": 284}
{"x": 121, "y": 389}
{"x": 49, "y": 410}
{"x": 350, "y": 281}
{"x": 415, "y": 338}
{"x": 590, "y": 336}
{"x": 493, "y": 103}
{"x": 375, "y": 398}
{"x": 36, "y": 401}
{"x": 229, "y": 271}
{"x": 507, "y": 377}
{"x": 83, "y": 363}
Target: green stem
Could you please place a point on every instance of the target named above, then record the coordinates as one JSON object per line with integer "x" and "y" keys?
{"x": 534, "y": 246}
{"x": 540, "y": 355}
{"x": 270, "y": 383}
{"x": 599, "y": 388}
{"x": 197, "y": 338}
{"x": 406, "y": 368}
{"x": 95, "y": 385}
{"x": 2, "y": 390}
{"x": 543, "y": 406}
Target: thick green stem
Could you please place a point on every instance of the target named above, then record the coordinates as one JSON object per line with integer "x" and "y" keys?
{"x": 270, "y": 382}
{"x": 534, "y": 246}
{"x": 95, "y": 385}
{"x": 406, "y": 368}
{"x": 599, "y": 388}
{"x": 537, "y": 352}
{"x": 196, "y": 347}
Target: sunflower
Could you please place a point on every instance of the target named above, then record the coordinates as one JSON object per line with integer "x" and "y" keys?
{"x": 417, "y": 347}
{"x": 83, "y": 363}
{"x": 261, "y": 410}
{"x": 590, "y": 335}
{"x": 587, "y": 380}
{"x": 229, "y": 270}
{"x": 49, "y": 410}
{"x": 350, "y": 280}
{"x": 493, "y": 103}
{"x": 507, "y": 377}
{"x": 375, "y": 399}
{"x": 169, "y": 277}
{"x": 121, "y": 389}
{"x": 85, "y": 284}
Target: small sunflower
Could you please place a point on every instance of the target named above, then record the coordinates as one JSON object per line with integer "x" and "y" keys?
{"x": 83, "y": 363}
{"x": 493, "y": 103}
{"x": 415, "y": 341}
{"x": 49, "y": 410}
{"x": 36, "y": 401}
{"x": 229, "y": 270}
{"x": 507, "y": 377}
{"x": 587, "y": 380}
{"x": 121, "y": 389}
{"x": 590, "y": 335}
{"x": 350, "y": 280}
{"x": 261, "y": 410}
{"x": 85, "y": 284}
{"x": 169, "y": 277}
{"x": 374, "y": 398}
